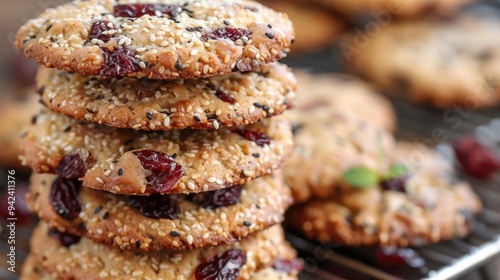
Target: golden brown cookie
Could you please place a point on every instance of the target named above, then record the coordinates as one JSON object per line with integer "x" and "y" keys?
{"x": 129, "y": 102}
{"x": 424, "y": 205}
{"x": 176, "y": 161}
{"x": 165, "y": 40}
{"x": 175, "y": 222}
{"x": 86, "y": 260}
{"x": 439, "y": 62}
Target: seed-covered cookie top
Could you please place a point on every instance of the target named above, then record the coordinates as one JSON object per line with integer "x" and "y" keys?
{"x": 161, "y": 40}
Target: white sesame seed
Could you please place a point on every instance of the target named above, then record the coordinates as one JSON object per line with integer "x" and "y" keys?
{"x": 189, "y": 239}
{"x": 216, "y": 124}
{"x": 191, "y": 186}
{"x": 194, "y": 52}
{"x": 212, "y": 180}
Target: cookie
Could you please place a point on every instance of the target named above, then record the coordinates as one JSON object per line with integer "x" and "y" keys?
{"x": 425, "y": 205}
{"x": 460, "y": 57}
{"x": 327, "y": 143}
{"x": 346, "y": 93}
{"x": 129, "y": 102}
{"x": 314, "y": 26}
{"x": 12, "y": 122}
{"x": 391, "y": 8}
{"x": 166, "y": 40}
{"x": 139, "y": 163}
{"x": 189, "y": 221}
{"x": 83, "y": 259}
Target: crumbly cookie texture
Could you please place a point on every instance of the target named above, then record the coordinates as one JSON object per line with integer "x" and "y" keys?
{"x": 165, "y": 40}
{"x": 429, "y": 207}
{"x": 87, "y": 260}
{"x": 210, "y": 159}
{"x": 222, "y": 101}
{"x": 109, "y": 218}
{"x": 462, "y": 60}
{"x": 328, "y": 142}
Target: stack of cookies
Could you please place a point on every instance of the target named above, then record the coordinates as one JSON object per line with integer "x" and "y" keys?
{"x": 158, "y": 150}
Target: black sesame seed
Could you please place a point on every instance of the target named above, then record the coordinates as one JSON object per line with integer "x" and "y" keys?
{"x": 225, "y": 22}
{"x": 174, "y": 156}
{"x": 149, "y": 116}
{"x": 33, "y": 119}
{"x": 23, "y": 134}
{"x": 41, "y": 90}
{"x": 48, "y": 27}
{"x": 115, "y": 161}
{"x": 270, "y": 35}
{"x": 256, "y": 155}
{"x": 178, "y": 65}
{"x": 269, "y": 114}
{"x": 120, "y": 172}
{"x": 247, "y": 223}
{"x": 67, "y": 129}
{"x": 174, "y": 233}
{"x": 197, "y": 119}
{"x": 269, "y": 25}
{"x": 257, "y": 104}
{"x": 265, "y": 108}
{"x": 138, "y": 244}
{"x": 257, "y": 205}
{"x": 105, "y": 215}
{"x": 32, "y": 36}
{"x": 52, "y": 39}
{"x": 293, "y": 41}
{"x": 98, "y": 209}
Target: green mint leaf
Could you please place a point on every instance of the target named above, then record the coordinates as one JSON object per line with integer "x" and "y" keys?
{"x": 397, "y": 170}
{"x": 361, "y": 177}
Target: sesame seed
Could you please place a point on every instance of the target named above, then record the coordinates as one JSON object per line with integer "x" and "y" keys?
{"x": 212, "y": 180}
{"x": 194, "y": 52}
{"x": 270, "y": 35}
{"x": 256, "y": 155}
{"x": 98, "y": 209}
{"x": 257, "y": 104}
{"x": 105, "y": 215}
{"x": 189, "y": 239}
{"x": 120, "y": 171}
{"x": 98, "y": 179}
{"x": 247, "y": 223}
{"x": 149, "y": 116}
{"x": 191, "y": 186}
{"x": 216, "y": 124}
{"x": 248, "y": 173}
{"x": 174, "y": 234}
{"x": 197, "y": 119}
{"x": 138, "y": 244}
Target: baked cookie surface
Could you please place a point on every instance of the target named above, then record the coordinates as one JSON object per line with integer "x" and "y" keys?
{"x": 161, "y": 40}
{"x": 139, "y": 163}
{"x": 87, "y": 260}
{"x": 439, "y": 62}
{"x": 425, "y": 205}
{"x": 129, "y": 102}
{"x": 174, "y": 222}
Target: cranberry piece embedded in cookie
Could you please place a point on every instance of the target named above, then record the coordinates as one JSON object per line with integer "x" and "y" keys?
{"x": 395, "y": 184}
{"x": 222, "y": 95}
{"x": 392, "y": 257}
{"x": 223, "y": 266}
{"x": 99, "y": 27}
{"x": 164, "y": 170}
{"x": 230, "y": 33}
{"x": 120, "y": 61}
{"x": 477, "y": 160}
{"x": 156, "y": 206}
{"x": 138, "y": 10}
{"x": 66, "y": 239}
{"x": 259, "y": 138}
{"x": 71, "y": 166}
{"x": 218, "y": 198}
{"x": 288, "y": 266}
{"x": 64, "y": 198}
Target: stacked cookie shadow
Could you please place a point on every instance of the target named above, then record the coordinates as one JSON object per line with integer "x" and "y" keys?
{"x": 157, "y": 154}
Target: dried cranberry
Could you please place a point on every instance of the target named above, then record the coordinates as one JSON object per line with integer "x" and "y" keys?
{"x": 230, "y": 33}
{"x": 156, "y": 206}
{"x": 100, "y": 26}
{"x": 144, "y": 89}
{"x": 259, "y": 138}
{"x": 71, "y": 166}
{"x": 476, "y": 160}
{"x": 223, "y": 266}
{"x": 64, "y": 198}
{"x": 222, "y": 95}
{"x": 395, "y": 184}
{"x": 393, "y": 257}
{"x": 119, "y": 61}
{"x": 66, "y": 239}
{"x": 218, "y": 198}
{"x": 165, "y": 171}
{"x": 288, "y": 266}
{"x": 138, "y": 10}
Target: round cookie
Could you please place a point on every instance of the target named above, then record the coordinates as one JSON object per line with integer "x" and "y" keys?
{"x": 201, "y": 221}
{"x": 426, "y": 205}
{"x": 16, "y": 110}
{"x": 84, "y": 258}
{"x": 129, "y": 102}
{"x": 314, "y": 26}
{"x": 445, "y": 62}
{"x": 400, "y": 9}
{"x": 166, "y": 40}
{"x": 327, "y": 143}
{"x": 139, "y": 163}
{"x": 346, "y": 93}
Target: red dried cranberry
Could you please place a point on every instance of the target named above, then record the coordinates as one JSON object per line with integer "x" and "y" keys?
{"x": 138, "y": 10}
{"x": 222, "y": 95}
{"x": 230, "y": 33}
{"x": 144, "y": 89}
{"x": 476, "y": 160}
{"x": 66, "y": 239}
{"x": 223, "y": 266}
{"x": 165, "y": 171}
{"x": 71, "y": 166}
{"x": 218, "y": 198}
{"x": 391, "y": 256}
{"x": 156, "y": 206}
{"x": 100, "y": 26}
{"x": 395, "y": 184}
{"x": 64, "y": 198}
{"x": 288, "y": 266}
{"x": 119, "y": 61}
{"x": 259, "y": 138}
